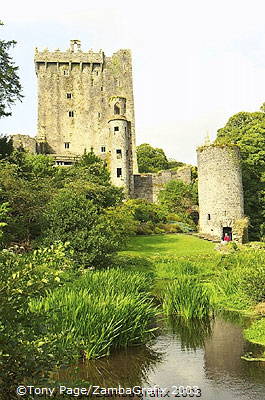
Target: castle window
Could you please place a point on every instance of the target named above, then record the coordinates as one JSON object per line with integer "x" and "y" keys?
{"x": 117, "y": 109}
{"x": 119, "y": 172}
{"x": 66, "y": 72}
{"x": 101, "y": 88}
{"x": 92, "y": 82}
{"x": 69, "y": 95}
{"x": 116, "y": 128}
{"x": 209, "y": 217}
{"x": 66, "y": 145}
{"x": 99, "y": 115}
{"x": 71, "y": 113}
{"x": 103, "y": 149}
{"x": 118, "y": 152}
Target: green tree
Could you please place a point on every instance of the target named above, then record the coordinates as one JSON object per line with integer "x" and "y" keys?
{"x": 180, "y": 198}
{"x": 28, "y": 352}
{"x": 10, "y": 87}
{"x": 151, "y": 159}
{"x": 247, "y": 130}
{"x": 6, "y": 147}
{"x": 80, "y": 214}
{"x": 29, "y": 182}
{"x": 26, "y": 199}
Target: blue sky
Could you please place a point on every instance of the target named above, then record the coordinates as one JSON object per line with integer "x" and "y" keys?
{"x": 195, "y": 63}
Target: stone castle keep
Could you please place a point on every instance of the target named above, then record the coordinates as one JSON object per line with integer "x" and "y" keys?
{"x": 85, "y": 102}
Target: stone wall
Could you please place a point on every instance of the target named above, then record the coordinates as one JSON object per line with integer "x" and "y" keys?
{"x": 25, "y": 142}
{"x": 220, "y": 190}
{"x": 147, "y": 186}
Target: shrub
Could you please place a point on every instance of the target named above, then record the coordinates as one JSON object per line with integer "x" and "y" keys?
{"x": 26, "y": 349}
{"x": 144, "y": 211}
{"x": 256, "y": 332}
{"x": 94, "y": 232}
{"x": 180, "y": 198}
{"x": 145, "y": 228}
{"x": 253, "y": 282}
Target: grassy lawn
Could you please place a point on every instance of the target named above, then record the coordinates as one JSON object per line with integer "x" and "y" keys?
{"x": 175, "y": 245}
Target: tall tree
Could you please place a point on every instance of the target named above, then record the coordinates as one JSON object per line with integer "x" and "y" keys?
{"x": 151, "y": 159}
{"x": 10, "y": 87}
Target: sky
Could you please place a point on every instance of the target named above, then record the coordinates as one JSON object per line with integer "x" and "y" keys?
{"x": 195, "y": 63}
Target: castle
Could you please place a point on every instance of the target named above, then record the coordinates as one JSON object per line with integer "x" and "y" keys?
{"x": 85, "y": 102}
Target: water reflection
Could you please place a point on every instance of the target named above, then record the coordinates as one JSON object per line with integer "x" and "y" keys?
{"x": 192, "y": 333}
{"x": 223, "y": 353}
{"x": 127, "y": 368}
{"x": 206, "y": 354}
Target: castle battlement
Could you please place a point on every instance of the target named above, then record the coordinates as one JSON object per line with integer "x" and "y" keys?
{"x": 68, "y": 56}
{"x": 75, "y": 55}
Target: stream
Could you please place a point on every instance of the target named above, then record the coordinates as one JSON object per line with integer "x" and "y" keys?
{"x": 205, "y": 356}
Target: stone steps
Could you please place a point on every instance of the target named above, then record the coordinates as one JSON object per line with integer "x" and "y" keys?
{"x": 209, "y": 238}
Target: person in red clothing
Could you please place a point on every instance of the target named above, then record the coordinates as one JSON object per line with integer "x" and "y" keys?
{"x": 227, "y": 238}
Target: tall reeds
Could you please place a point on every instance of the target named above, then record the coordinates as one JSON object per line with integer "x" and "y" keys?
{"x": 100, "y": 312}
{"x": 188, "y": 297}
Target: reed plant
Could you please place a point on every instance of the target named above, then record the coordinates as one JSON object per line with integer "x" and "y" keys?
{"x": 102, "y": 311}
{"x": 188, "y": 297}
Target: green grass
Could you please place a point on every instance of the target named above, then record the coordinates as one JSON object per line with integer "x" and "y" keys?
{"x": 176, "y": 245}
{"x": 229, "y": 277}
{"x": 181, "y": 265}
{"x": 256, "y": 332}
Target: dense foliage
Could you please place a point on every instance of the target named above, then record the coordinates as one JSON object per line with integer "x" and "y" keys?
{"x": 6, "y": 147}
{"x": 180, "y": 198}
{"x": 152, "y": 218}
{"x": 247, "y": 130}
{"x": 26, "y": 348}
{"x": 76, "y": 205}
{"x": 10, "y": 87}
{"x": 151, "y": 159}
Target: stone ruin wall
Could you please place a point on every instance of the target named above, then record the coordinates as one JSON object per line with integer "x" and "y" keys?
{"x": 25, "y": 142}
{"x": 147, "y": 186}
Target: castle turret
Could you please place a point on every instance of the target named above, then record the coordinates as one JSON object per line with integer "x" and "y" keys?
{"x": 220, "y": 192}
{"x": 121, "y": 164}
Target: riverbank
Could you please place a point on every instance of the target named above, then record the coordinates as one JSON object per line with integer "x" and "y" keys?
{"x": 173, "y": 275}
{"x": 235, "y": 279}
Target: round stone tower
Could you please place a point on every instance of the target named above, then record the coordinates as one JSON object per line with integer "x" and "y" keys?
{"x": 221, "y": 202}
{"x": 120, "y": 148}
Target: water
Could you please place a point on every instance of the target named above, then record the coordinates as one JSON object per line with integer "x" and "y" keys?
{"x": 205, "y": 355}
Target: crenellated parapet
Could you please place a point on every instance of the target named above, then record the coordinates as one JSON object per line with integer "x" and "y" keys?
{"x": 72, "y": 55}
